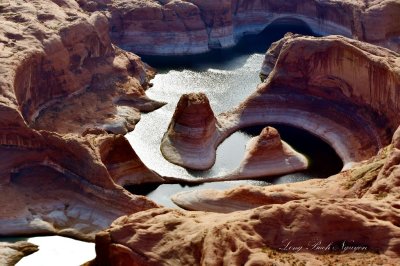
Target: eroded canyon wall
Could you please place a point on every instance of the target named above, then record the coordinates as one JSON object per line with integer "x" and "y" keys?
{"x": 156, "y": 27}
{"x": 63, "y": 87}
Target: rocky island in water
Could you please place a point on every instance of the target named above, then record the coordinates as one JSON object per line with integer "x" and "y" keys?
{"x": 119, "y": 118}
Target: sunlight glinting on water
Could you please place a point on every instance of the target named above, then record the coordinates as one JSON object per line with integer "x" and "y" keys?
{"x": 225, "y": 87}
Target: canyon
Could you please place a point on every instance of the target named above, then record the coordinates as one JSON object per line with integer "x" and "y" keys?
{"x": 71, "y": 87}
{"x": 198, "y": 26}
{"x": 66, "y": 94}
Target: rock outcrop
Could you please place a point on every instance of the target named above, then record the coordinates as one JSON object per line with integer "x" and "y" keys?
{"x": 192, "y": 132}
{"x": 11, "y": 253}
{"x": 63, "y": 86}
{"x": 64, "y": 184}
{"x": 350, "y": 218}
{"x": 157, "y": 27}
{"x": 267, "y": 155}
{"x": 365, "y": 99}
{"x": 315, "y": 84}
{"x": 61, "y": 60}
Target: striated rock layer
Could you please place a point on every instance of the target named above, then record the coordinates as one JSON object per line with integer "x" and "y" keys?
{"x": 65, "y": 185}
{"x": 11, "y": 253}
{"x": 316, "y": 84}
{"x": 268, "y": 155}
{"x": 192, "y": 132}
{"x": 351, "y": 218}
{"x": 59, "y": 60}
{"x": 194, "y": 26}
{"x": 60, "y": 73}
{"x": 374, "y": 179}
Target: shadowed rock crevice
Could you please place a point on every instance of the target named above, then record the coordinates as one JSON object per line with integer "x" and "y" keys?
{"x": 199, "y": 26}
{"x": 60, "y": 73}
{"x": 308, "y": 222}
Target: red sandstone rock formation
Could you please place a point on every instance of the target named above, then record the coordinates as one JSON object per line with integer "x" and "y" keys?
{"x": 11, "y": 253}
{"x": 315, "y": 85}
{"x": 350, "y": 218}
{"x": 190, "y": 139}
{"x": 63, "y": 184}
{"x": 157, "y": 27}
{"x": 60, "y": 73}
{"x": 192, "y": 135}
{"x": 267, "y": 155}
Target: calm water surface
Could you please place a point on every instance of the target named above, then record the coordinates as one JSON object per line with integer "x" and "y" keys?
{"x": 227, "y": 77}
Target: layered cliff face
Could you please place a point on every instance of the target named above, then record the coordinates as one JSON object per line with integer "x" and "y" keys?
{"x": 267, "y": 155}
{"x": 60, "y": 73}
{"x": 350, "y": 218}
{"x": 156, "y": 27}
{"x": 192, "y": 133}
{"x": 150, "y": 27}
{"x": 342, "y": 90}
{"x": 59, "y": 59}
{"x": 66, "y": 184}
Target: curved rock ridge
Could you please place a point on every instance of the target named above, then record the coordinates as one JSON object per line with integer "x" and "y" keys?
{"x": 11, "y": 253}
{"x": 315, "y": 84}
{"x": 122, "y": 162}
{"x": 327, "y": 70}
{"x": 157, "y": 27}
{"x": 374, "y": 179}
{"x": 65, "y": 184}
{"x": 57, "y": 59}
{"x": 60, "y": 73}
{"x": 268, "y": 155}
{"x": 322, "y": 232}
{"x": 192, "y": 132}
{"x": 351, "y": 218}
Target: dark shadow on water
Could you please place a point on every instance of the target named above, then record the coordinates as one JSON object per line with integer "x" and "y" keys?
{"x": 230, "y": 58}
{"x": 323, "y": 160}
{"x": 142, "y": 189}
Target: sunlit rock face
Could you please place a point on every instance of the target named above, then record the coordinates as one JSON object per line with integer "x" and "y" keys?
{"x": 63, "y": 87}
{"x": 191, "y": 135}
{"x": 340, "y": 89}
{"x": 267, "y": 155}
{"x": 64, "y": 184}
{"x": 353, "y": 215}
{"x": 11, "y": 253}
{"x": 189, "y": 27}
